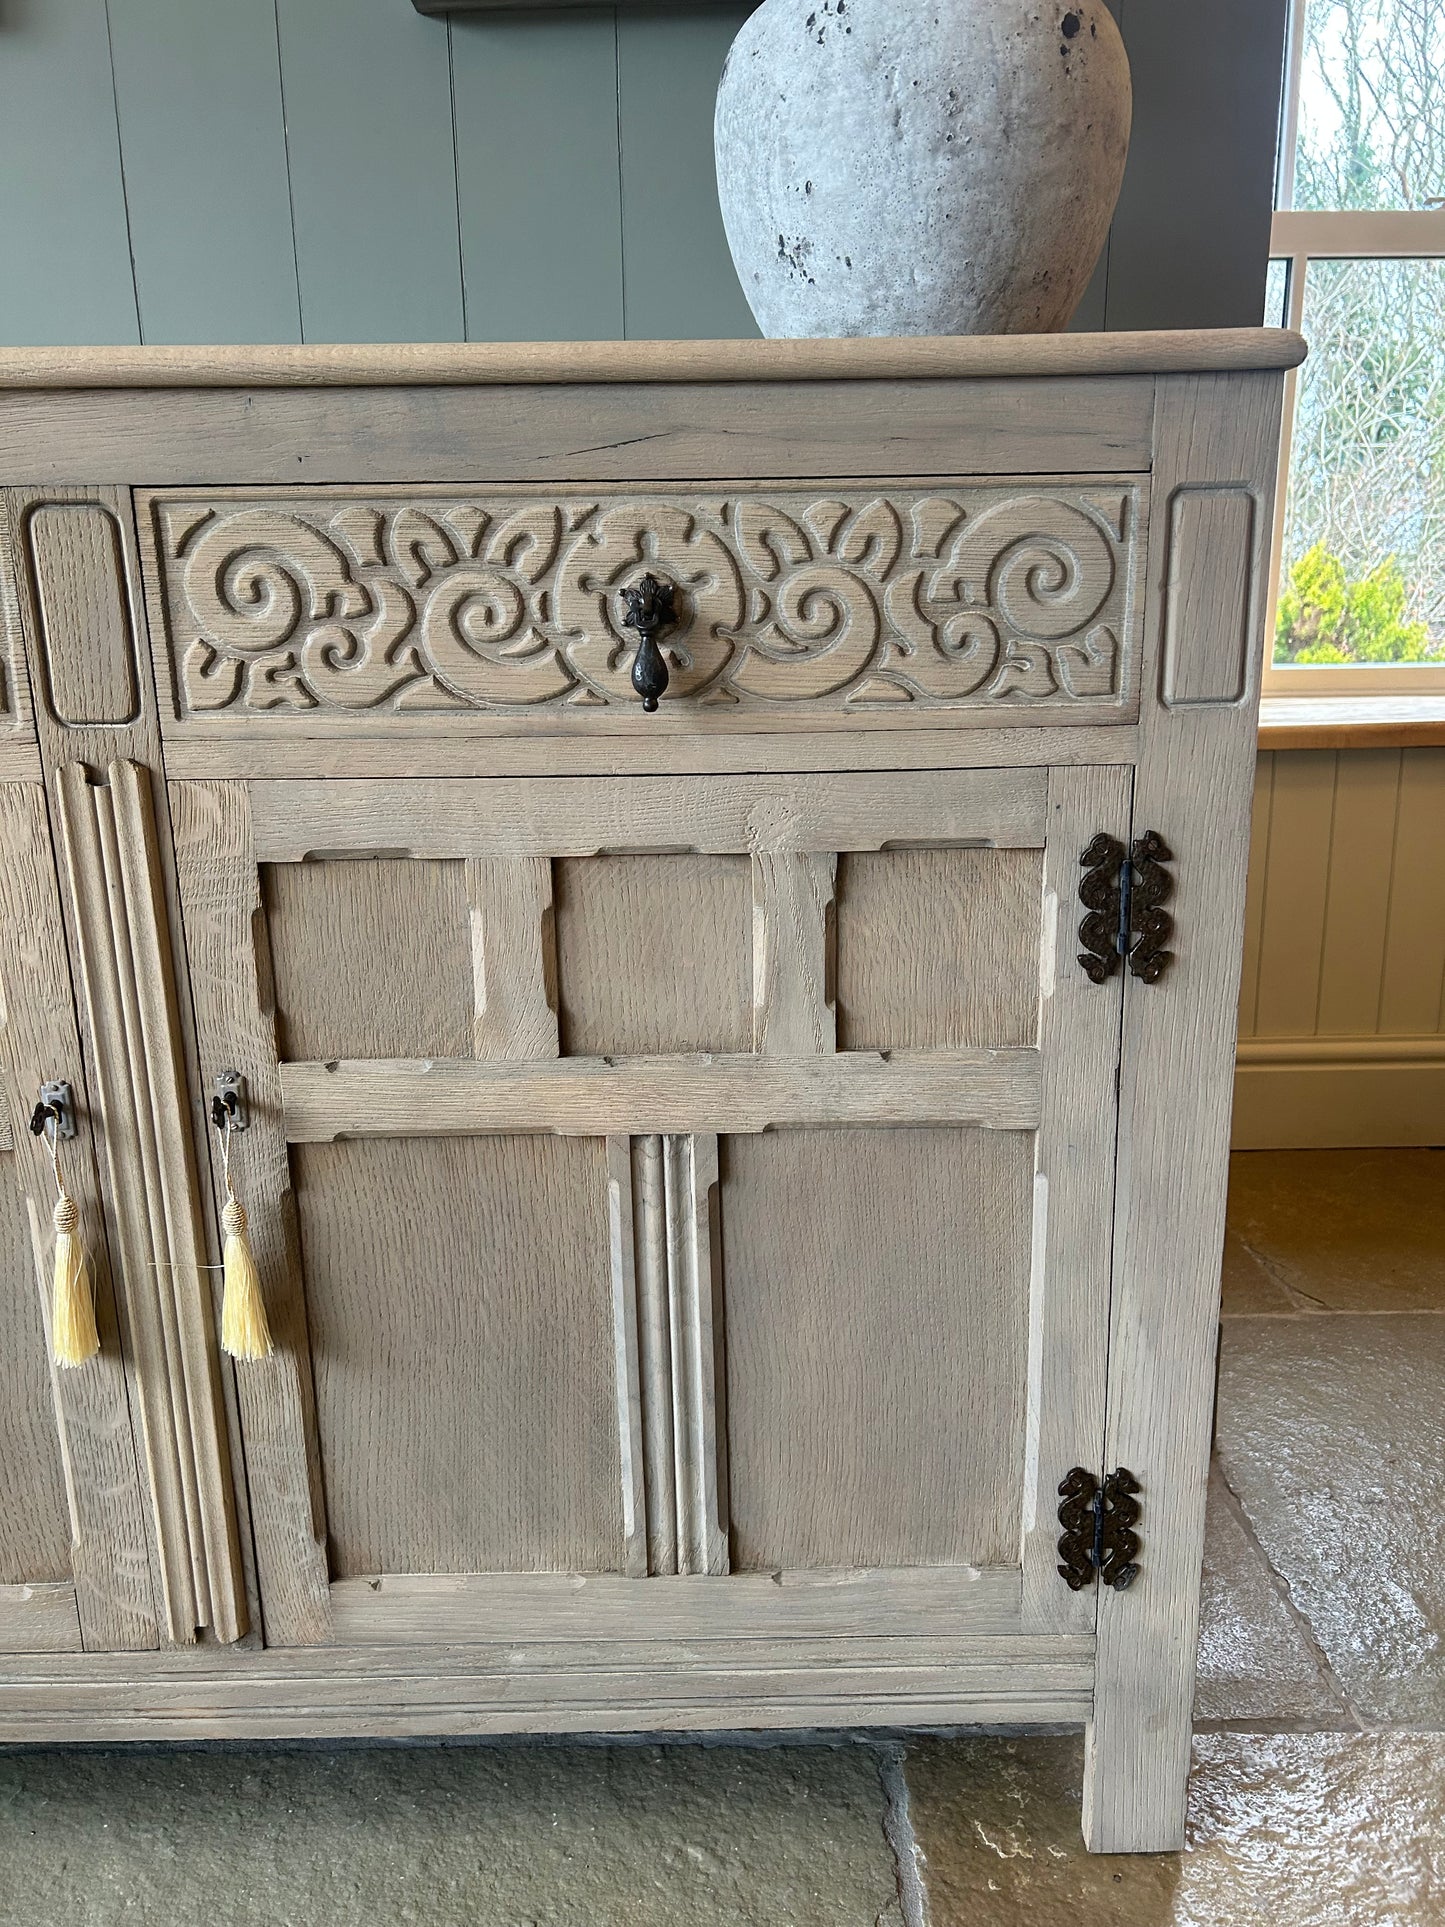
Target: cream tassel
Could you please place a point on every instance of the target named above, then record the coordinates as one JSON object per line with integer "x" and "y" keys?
{"x": 244, "y": 1331}
{"x": 73, "y": 1336}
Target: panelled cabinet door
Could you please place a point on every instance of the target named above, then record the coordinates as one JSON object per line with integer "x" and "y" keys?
{"x": 74, "y": 1563}
{"x": 683, "y": 1203}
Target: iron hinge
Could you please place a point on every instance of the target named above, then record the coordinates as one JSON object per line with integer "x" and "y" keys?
{"x": 1099, "y": 1536}
{"x": 1123, "y": 892}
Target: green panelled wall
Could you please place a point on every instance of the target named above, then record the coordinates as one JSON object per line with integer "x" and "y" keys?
{"x": 347, "y": 170}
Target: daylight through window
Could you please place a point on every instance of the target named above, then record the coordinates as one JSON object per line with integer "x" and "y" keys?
{"x": 1359, "y": 247}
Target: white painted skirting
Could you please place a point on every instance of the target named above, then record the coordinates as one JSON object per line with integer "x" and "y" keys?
{"x": 1317, "y": 1092}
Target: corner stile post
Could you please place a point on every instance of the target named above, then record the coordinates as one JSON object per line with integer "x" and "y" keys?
{"x": 1197, "y": 728}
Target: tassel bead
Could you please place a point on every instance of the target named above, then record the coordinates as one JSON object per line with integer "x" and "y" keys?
{"x": 244, "y": 1331}
{"x": 73, "y": 1334}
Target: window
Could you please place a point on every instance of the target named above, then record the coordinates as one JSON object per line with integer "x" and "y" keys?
{"x": 1358, "y": 246}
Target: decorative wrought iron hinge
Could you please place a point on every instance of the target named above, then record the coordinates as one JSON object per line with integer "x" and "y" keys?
{"x": 1099, "y": 1535}
{"x": 1123, "y": 892}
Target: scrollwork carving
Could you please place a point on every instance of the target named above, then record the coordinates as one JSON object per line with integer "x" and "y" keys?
{"x": 516, "y": 602}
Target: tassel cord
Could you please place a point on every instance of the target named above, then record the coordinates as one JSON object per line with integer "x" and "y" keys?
{"x": 74, "y": 1337}
{"x": 244, "y": 1330}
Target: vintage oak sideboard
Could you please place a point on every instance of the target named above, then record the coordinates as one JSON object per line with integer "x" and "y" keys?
{"x": 720, "y": 1157}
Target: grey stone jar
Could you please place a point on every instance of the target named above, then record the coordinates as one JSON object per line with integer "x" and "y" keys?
{"x": 935, "y": 167}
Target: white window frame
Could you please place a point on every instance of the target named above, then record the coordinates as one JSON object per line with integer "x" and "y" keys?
{"x": 1298, "y": 236}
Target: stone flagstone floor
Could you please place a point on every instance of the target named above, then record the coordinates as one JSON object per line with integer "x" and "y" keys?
{"x": 1318, "y": 1796}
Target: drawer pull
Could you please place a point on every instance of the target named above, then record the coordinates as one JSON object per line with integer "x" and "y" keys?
{"x": 649, "y": 606}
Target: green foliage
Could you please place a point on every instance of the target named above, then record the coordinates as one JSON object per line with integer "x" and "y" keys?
{"x": 1325, "y": 617}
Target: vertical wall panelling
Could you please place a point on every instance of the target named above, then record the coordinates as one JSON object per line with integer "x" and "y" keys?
{"x": 373, "y": 177}
{"x": 198, "y": 91}
{"x": 678, "y": 276}
{"x": 1361, "y": 840}
{"x": 1254, "y": 897}
{"x": 1342, "y": 1033}
{"x": 1295, "y": 891}
{"x": 1415, "y": 939}
{"x": 537, "y": 175}
{"x": 63, "y": 236}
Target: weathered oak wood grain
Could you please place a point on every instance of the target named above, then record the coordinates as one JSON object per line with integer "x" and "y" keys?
{"x": 599, "y": 1096}
{"x": 235, "y": 1030}
{"x": 1193, "y": 786}
{"x": 445, "y": 817}
{"x": 109, "y": 1550}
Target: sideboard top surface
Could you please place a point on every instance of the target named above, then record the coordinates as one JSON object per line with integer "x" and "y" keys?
{"x": 951, "y": 358}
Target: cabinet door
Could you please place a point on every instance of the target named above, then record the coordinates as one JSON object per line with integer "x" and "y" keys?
{"x": 74, "y": 1565}
{"x": 684, "y": 1203}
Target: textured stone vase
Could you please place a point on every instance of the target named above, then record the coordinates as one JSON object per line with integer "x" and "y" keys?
{"x": 930, "y": 167}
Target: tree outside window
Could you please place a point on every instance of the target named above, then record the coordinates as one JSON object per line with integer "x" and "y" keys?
{"x": 1359, "y": 241}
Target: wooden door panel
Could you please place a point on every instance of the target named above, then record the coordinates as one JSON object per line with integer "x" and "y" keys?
{"x": 38, "y": 1611}
{"x": 458, "y": 1295}
{"x": 688, "y": 1187}
{"x": 370, "y": 959}
{"x": 653, "y": 954}
{"x": 876, "y": 1289}
{"x": 938, "y": 949}
{"x": 34, "y": 1525}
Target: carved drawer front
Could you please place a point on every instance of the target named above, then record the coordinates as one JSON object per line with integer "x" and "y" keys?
{"x": 504, "y": 610}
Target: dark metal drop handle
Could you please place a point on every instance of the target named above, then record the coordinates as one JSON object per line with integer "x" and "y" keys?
{"x": 649, "y": 606}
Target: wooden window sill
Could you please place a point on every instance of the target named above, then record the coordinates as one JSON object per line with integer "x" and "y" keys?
{"x": 1351, "y": 722}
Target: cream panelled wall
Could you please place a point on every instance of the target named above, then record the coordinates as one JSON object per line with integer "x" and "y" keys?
{"x": 1342, "y": 1010}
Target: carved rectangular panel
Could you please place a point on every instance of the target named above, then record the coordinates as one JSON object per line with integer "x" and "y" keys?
{"x": 1209, "y": 595}
{"x": 355, "y": 610}
{"x": 370, "y": 959}
{"x": 87, "y": 655}
{"x": 15, "y": 719}
{"x": 938, "y": 949}
{"x": 458, "y": 1300}
{"x": 653, "y": 953}
{"x": 877, "y": 1288}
